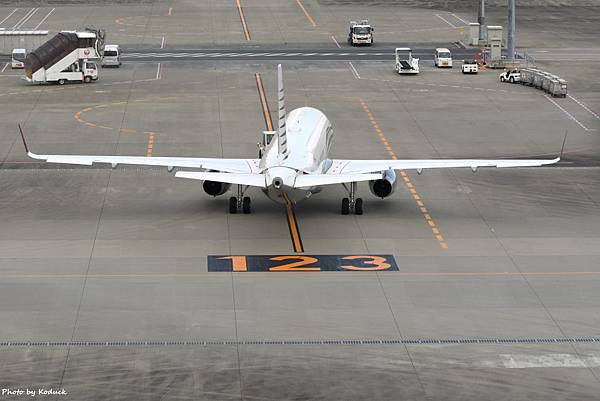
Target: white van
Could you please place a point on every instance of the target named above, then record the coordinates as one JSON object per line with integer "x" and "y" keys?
{"x": 442, "y": 57}
{"x": 18, "y": 58}
{"x": 112, "y": 56}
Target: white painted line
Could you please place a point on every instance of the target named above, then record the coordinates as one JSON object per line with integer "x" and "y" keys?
{"x": 162, "y": 43}
{"x": 566, "y": 112}
{"x": 44, "y": 19}
{"x": 5, "y": 65}
{"x": 336, "y": 42}
{"x": 8, "y": 16}
{"x": 354, "y": 72}
{"x": 584, "y": 106}
{"x": 35, "y": 10}
{"x": 22, "y": 18}
{"x": 158, "y": 71}
{"x": 523, "y": 361}
{"x": 460, "y": 19}
{"x": 446, "y": 21}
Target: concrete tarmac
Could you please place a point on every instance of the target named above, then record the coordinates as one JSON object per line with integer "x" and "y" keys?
{"x": 104, "y": 282}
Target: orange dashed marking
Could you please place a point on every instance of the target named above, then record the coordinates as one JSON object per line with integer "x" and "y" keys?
{"x": 151, "y": 135}
{"x": 407, "y": 183}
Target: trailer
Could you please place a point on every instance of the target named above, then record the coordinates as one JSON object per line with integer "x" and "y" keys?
{"x": 405, "y": 62}
{"x": 68, "y": 56}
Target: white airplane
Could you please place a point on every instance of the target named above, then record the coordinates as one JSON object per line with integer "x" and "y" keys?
{"x": 292, "y": 166}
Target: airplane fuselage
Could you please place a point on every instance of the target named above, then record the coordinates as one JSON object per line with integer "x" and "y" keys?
{"x": 309, "y": 139}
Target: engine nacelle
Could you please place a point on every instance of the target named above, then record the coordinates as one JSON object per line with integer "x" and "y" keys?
{"x": 385, "y": 186}
{"x": 214, "y": 188}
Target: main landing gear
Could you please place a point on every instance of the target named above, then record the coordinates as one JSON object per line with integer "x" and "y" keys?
{"x": 240, "y": 202}
{"x": 352, "y": 203}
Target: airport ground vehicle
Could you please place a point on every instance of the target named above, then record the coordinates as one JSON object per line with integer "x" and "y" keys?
{"x": 361, "y": 33}
{"x": 511, "y": 76}
{"x": 111, "y": 56}
{"x": 66, "y": 57}
{"x": 18, "y": 58}
{"x": 470, "y": 67}
{"x": 442, "y": 58}
{"x": 405, "y": 63}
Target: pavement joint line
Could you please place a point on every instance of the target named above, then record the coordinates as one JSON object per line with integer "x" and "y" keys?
{"x": 243, "y": 20}
{"x": 406, "y": 179}
{"x": 310, "y": 19}
{"x": 414, "y": 341}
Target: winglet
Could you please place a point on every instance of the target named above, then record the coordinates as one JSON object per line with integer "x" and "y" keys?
{"x": 562, "y": 149}
{"x": 23, "y": 138}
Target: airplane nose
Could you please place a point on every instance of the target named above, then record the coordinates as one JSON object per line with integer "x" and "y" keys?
{"x": 277, "y": 182}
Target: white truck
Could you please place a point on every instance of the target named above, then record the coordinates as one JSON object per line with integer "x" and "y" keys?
{"x": 361, "y": 33}
{"x": 111, "y": 56}
{"x": 18, "y": 58}
{"x": 66, "y": 57}
{"x": 405, "y": 62}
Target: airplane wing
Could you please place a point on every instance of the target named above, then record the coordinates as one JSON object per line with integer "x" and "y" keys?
{"x": 352, "y": 167}
{"x": 246, "y": 166}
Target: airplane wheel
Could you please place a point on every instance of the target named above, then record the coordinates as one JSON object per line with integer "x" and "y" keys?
{"x": 358, "y": 206}
{"x": 233, "y": 205}
{"x": 345, "y": 206}
{"x": 246, "y": 205}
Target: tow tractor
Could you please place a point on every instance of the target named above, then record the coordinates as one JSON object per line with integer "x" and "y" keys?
{"x": 405, "y": 63}
{"x": 361, "y": 33}
{"x": 511, "y": 76}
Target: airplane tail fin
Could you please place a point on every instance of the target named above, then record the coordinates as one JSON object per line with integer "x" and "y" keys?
{"x": 281, "y": 131}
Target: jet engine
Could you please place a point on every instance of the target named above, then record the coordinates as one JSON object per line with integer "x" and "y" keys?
{"x": 385, "y": 186}
{"x": 214, "y": 188}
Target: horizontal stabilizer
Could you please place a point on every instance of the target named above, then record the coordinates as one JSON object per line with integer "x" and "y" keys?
{"x": 315, "y": 180}
{"x": 254, "y": 180}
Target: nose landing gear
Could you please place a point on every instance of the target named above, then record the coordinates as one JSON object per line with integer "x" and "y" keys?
{"x": 240, "y": 202}
{"x": 352, "y": 203}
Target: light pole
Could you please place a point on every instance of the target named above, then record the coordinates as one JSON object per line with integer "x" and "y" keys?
{"x": 511, "y": 30}
{"x": 481, "y": 20}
